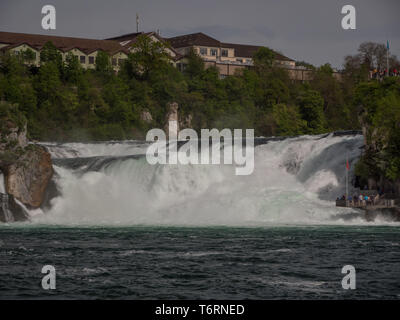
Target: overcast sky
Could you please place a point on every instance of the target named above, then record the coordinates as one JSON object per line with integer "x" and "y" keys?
{"x": 308, "y": 30}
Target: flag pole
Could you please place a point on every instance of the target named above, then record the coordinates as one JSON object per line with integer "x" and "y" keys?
{"x": 347, "y": 177}
{"x": 387, "y": 57}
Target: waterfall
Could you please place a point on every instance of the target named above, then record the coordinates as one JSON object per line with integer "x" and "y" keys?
{"x": 295, "y": 181}
{"x": 8, "y": 216}
{"x": 2, "y": 185}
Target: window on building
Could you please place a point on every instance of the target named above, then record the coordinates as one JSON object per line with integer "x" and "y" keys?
{"x": 203, "y": 51}
{"x": 224, "y": 52}
{"x": 239, "y": 60}
{"x": 121, "y": 62}
{"x": 114, "y": 61}
{"x": 82, "y": 59}
{"x": 214, "y": 52}
{"x": 91, "y": 60}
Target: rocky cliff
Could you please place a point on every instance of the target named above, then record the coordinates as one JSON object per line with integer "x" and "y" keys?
{"x": 27, "y": 177}
{"x": 27, "y": 168}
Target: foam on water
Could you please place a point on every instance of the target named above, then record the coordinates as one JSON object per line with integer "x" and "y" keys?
{"x": 295, "y": 181}
{"x": 2, "y": 186}
{"x": 74, "y": 150}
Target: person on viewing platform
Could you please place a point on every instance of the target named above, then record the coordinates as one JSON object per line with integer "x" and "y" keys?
{"x": 364, "y": 200}
{"x": 350, "y": 199}
{"x": 376, "y": 199}
{"x": 355, "y": 200}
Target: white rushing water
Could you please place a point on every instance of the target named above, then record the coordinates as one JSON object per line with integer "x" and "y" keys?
{"x": 295, "y": 181}
{"x": 8, "y": 216}
{"x": 2, "y": 186}
{"x": 110, "y": 148}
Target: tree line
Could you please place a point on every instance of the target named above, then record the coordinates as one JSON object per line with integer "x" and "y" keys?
{"x": 63, "y": 102}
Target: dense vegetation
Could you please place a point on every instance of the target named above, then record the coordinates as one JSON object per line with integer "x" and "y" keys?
{"x": 380, "y": 115}
{"x": 64, "y": 102}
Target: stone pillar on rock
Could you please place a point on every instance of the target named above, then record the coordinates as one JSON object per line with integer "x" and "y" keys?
{"x": 171, "y": 127}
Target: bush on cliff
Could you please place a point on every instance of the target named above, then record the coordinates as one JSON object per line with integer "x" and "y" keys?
{"x": 379, "y": 107}
{"x": 10, "y": 117}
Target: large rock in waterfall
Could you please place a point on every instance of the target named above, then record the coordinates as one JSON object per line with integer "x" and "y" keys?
{"x": 27, "y": 168}
{"x": 27, "y": 178}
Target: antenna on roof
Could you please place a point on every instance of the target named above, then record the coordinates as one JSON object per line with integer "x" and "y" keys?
{"x": 137, "y": 23}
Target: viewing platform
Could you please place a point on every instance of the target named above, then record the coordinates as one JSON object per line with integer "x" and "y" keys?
{"x": 375, "y": 201}
{"x": 383, "y": 203}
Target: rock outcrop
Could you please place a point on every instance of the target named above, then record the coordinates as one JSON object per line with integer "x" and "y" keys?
{"x": 186, "y": 122}
{"x": 145, "y": 116}
{"x": 27, "y": 178}
{"x": 12, "y": 137}
{"x": 172, "y": 121}
{"x": 27, "y": 168}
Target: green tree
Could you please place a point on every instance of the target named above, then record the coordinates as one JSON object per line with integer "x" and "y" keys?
{"x": 73, "y": 70}
{"x": 311, "y": 108}
{"x": 28, "y": 55}
{"x": 264, "y": 58}
{"x": 288, "y": 120}
{"x": 195, "y": 66}
{"x": 48, "y": 82}
{"x": 305, "y": 64}
{"x": 103, "y": 64}
{"x": 336, "y": 111}
{"x": 50, "y": 53}
{"x": 147, "y": 56}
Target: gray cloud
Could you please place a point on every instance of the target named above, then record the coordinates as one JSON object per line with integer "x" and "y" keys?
{"x": 305, "y": 30}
